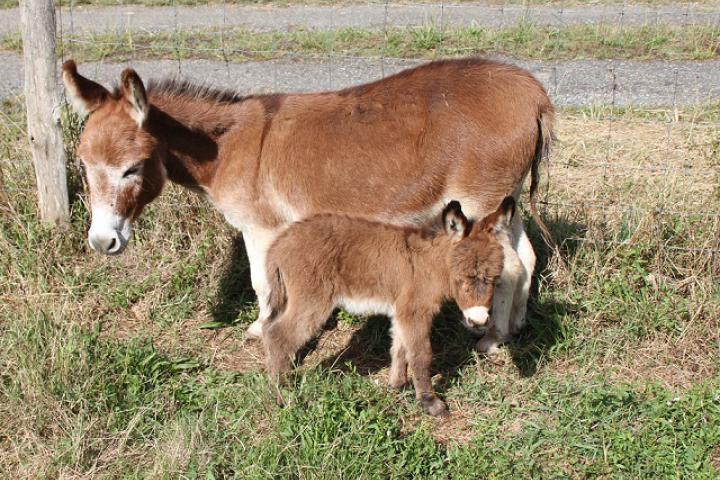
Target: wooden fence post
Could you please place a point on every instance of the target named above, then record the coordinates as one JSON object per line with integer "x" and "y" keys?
{"x": 42, "y": 101}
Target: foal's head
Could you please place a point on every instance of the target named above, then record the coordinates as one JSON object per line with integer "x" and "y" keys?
{"x": 122, "y": 159}
{"x": 475, "y": 259}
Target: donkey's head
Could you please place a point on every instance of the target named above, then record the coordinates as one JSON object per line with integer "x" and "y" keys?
{"x": 123, "y": 160}
{"x": 475, "y": 258}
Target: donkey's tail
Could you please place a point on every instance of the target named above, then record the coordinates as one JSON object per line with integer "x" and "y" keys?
{"x": 277, "y": 298}
{"x": 542, "y": 151}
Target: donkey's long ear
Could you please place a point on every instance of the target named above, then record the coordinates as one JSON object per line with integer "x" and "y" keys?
{"x": 133, "y": 91}
{"x": 84, "y": 95}
{"x": 500, "y": 218}
{"x": 454, "y": 221}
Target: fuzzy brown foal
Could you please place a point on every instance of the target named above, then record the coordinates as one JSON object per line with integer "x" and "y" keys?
{"x": 372, "y": 268}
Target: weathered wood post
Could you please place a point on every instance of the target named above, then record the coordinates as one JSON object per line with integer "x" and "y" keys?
{"x": 42, "y": 101}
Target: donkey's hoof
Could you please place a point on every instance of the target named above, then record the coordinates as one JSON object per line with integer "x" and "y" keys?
{"x": 397, "y": 383}
{"x": 488, "y": 345}
{"x": 434, "y": 406}
{"x": 254, "y": 331}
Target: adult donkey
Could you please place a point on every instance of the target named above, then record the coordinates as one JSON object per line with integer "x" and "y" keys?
{"x": 395, "y": 150}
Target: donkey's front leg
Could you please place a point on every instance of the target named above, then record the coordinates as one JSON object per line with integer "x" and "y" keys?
{"x": 257, "y": 243}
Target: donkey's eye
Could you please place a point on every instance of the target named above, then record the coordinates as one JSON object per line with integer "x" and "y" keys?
{"x": 134, "y": 170}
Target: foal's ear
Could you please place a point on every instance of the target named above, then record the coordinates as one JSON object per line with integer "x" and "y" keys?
{"x": 133, "y": 91}
{"x": 84, "y": 95}
{"x": 454, "y": 221}
{"x": 500, "y": 218}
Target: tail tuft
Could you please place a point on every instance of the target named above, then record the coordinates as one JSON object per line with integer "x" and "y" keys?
{"x": 277, "y": 298}
{"x": 542, "y": 151}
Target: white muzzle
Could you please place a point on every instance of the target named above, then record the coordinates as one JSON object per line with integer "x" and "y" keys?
{"x": 109, "y": 233}
{"x": 476, "y": 317}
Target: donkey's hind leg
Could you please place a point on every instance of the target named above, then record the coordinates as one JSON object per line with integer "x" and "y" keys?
{"x": 286, "y": 334}
{"x": 503, "y": 301}
{"x": 525, "y": 252}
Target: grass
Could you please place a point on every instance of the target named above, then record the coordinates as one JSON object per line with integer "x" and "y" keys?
{"x": 524, "y": 40}
{"x": 106, "y": 371}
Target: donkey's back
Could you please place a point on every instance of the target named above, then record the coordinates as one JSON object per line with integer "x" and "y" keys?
{"x": 399, "y": 148}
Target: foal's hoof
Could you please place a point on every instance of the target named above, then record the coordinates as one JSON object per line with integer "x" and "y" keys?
{"x": 280, "y": 400}
{"x": 254, "y": 331}
{"x": 398, "y": 383}
{"x": 434, "y": 406}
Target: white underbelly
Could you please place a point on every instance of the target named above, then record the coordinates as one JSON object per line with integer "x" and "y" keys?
{"x": 366, "y": 306}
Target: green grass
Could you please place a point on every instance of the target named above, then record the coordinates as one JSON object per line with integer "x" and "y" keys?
{"x": 522, "y": 41}
{"x": 106, "y": 371}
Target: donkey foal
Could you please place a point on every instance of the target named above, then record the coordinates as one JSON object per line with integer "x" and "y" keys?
{"x": 373, "y": 268}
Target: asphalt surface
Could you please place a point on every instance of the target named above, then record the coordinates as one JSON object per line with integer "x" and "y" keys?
{"x": 80, "y": 20}
{"x": 570, "y": 83}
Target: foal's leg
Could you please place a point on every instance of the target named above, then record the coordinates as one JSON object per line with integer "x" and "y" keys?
{"x": 398, "y": 362}
{"x": 522, "y": 292}
{"x": 286, "y": 334}
{"x": 413, "y": 331}
{"x": 257, "y": 243}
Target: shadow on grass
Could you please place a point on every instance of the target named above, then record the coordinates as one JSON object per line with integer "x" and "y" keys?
{"x": 544, "y": 328}
{"x": 234, "y": 289}
{"x": 368, "y": 351}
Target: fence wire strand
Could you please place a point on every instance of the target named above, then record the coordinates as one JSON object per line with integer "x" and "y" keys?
{"x": 441, "y": 15}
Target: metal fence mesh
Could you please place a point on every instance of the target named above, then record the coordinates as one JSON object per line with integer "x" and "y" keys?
{"x": 668, "y": 107}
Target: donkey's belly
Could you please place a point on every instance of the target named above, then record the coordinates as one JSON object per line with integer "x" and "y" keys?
{"x": 366, "y": 306}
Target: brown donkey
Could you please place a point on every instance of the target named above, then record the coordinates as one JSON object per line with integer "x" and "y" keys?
{"x": 374, "y": 268}
{"x": 396, "y": 150}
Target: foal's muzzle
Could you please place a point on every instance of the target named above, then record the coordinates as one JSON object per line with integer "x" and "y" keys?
{"x": 476, "y": 317}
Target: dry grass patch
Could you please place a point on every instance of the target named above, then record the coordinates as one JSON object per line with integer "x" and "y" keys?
{"x": 138, "y": 363}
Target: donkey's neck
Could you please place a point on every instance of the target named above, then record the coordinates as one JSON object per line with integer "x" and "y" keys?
{"x": 190, "y": 129}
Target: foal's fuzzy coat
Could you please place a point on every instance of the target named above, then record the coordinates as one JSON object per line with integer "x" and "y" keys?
{"x": 373, "y": 268}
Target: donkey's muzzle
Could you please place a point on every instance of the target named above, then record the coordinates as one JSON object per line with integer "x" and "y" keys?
{"x": 109, "y": 242}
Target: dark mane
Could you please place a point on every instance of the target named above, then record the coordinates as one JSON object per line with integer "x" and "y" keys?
{"x": 179, "y": 87}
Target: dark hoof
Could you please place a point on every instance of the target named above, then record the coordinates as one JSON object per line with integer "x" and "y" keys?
{"x": 434, "y": 406}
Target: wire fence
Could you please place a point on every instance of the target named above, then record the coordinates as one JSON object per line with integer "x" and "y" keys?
{"x": 676, "y": 97}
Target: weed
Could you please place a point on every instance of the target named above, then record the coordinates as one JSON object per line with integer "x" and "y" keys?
{"x": 105, "y": 370}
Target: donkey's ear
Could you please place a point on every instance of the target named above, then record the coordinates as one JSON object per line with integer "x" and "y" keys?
{"x": 84, "y": 95}
{"x": 133, "y": 91}
{"x": 500, "y": 218}
{"x": 454, "y": 221}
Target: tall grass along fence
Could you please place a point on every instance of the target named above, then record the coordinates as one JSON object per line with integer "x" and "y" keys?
{"x": 636, "y": 161}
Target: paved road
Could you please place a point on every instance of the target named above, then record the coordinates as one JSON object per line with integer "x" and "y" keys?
{"x": 570, "y": 83}
{"x": 139, "y": 18}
